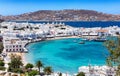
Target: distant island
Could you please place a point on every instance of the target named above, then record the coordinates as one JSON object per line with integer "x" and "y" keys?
{"x": 64, "y": 15}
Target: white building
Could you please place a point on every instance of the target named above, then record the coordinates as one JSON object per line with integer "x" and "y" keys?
{"x": 13, "y": 45}
{"x": 98, "y": 70}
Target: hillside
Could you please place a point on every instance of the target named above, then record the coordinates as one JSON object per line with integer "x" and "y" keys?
{"x": 87, "y": 15}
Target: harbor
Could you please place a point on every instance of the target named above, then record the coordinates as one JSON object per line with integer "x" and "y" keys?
{"x": 59, "y": 38}
{"x": 17, "y": 36}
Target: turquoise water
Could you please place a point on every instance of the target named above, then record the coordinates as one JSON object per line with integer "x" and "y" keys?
{"x": 66, "y": 55}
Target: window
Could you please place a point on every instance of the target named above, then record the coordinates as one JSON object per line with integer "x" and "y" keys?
{"x": 6, "y": 50}
{"x": 16, "y": 45}
{"x": 13, "y": 45}
{"x": 6, "y": 46}
{"x": 19, "y": 45}
{"x": 13, "y": 50}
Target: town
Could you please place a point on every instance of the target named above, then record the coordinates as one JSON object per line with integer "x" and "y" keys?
{"x": 15, "y": 36}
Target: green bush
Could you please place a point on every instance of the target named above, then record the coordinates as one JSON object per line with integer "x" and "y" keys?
{"x": 18, "y": 70}
{"x": 118, "y": 71}
{"x": 15, "y": 64}
{"x": 33, "y": 73}
{"x": 15, "y": 70}
{"x": 81, "y": 74}
{"x": 60, "y": 74}
{"x": 2, "y": 68}
{"x": 29, "y": 65}
{"x": 2, "y": 63}
{"x": 1, "y": 47}
{"x": 47, "y": 70}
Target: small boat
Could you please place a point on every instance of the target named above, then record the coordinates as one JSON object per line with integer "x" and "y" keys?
{"x": 82, "y": 42}
{"x": 84, "y": 39}
{"x": 100, "y": 39}
{"x": 91, "y": 39}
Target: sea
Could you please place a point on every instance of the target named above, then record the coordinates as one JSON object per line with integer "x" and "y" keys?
{"x": 87, "y": 24}
{"x": 67, "y": 55}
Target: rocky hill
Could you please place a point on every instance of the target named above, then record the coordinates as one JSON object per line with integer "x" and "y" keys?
{"x": 86, "y": 15}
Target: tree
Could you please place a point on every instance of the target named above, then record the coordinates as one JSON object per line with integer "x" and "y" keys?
{"x": 108, "y": 61}
{"x": 2, "y": 63}
{"x": 48, "y": 70}
{"x": 118, "y": 71}
{"x": 33, "y": 73}
{"x": 1, "y": 47}
{"x": 39, "y": 65}
{"x": 60, "y": 74}
{"x": 29, "y": 66}
{"x": 15, "y": 63}
{"x": 113, "y": 47}
{"x": 81, "y": 74}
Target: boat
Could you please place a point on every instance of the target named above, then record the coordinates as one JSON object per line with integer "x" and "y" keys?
{"x": 100, "y": 39}
{"x": 91, "y": 39}
{"x": 82, "y": 42}
{"x": 84, "y": 39}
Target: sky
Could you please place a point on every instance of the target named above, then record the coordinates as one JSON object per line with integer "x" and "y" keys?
{"x": 16, "y": 7}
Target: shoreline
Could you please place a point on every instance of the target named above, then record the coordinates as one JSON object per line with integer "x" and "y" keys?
{"x": 55, "y": 38}
{"x": 79, "y": 68}
{"x": 65, "y": 20}
{"x": 22, "y": 55}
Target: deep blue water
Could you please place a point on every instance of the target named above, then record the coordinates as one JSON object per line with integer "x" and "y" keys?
{"x": 83, "y": 23}
{"x": 66, "y": 55}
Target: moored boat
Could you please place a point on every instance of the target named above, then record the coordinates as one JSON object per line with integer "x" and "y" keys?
{"x": 82, "y": 42}
{"x": 100, "y": 39}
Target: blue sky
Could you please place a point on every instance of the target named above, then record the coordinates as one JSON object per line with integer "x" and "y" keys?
{"x": 15, "y": 7}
